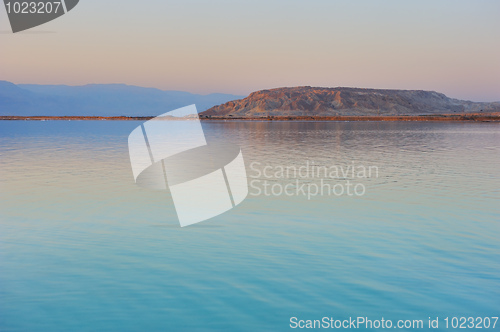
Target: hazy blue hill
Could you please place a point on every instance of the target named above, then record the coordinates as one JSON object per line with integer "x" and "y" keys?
{"x": 98, "y": 99}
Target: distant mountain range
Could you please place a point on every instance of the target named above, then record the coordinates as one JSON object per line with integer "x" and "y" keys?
{"x": 98, "y": 100}
{"x": 134, "y": 101}
{"x": 324, "y": 102}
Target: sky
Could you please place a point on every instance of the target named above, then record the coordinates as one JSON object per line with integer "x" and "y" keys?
{"x": 235, "y": 46}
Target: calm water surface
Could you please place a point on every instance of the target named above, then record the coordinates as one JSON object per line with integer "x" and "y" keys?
{"x": 82, "y": 248}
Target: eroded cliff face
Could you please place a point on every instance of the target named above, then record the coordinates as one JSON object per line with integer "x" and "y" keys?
{"x": 311, "y": 101}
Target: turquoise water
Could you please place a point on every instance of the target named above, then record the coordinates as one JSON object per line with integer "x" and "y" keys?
{"x": 85, "y": 249}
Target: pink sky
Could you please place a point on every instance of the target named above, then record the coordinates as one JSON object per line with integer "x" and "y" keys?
{"x": 227, "y": 46}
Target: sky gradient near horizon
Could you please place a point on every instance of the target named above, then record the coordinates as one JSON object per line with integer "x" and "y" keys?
{"x": 450, "y": 46}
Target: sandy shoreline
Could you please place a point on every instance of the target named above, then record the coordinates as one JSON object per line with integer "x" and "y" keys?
{"x": 445, "y": 117}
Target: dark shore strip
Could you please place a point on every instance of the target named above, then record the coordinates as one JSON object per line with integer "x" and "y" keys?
{"x": 444, "y": 117}
{"x": 77, "y": 118}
